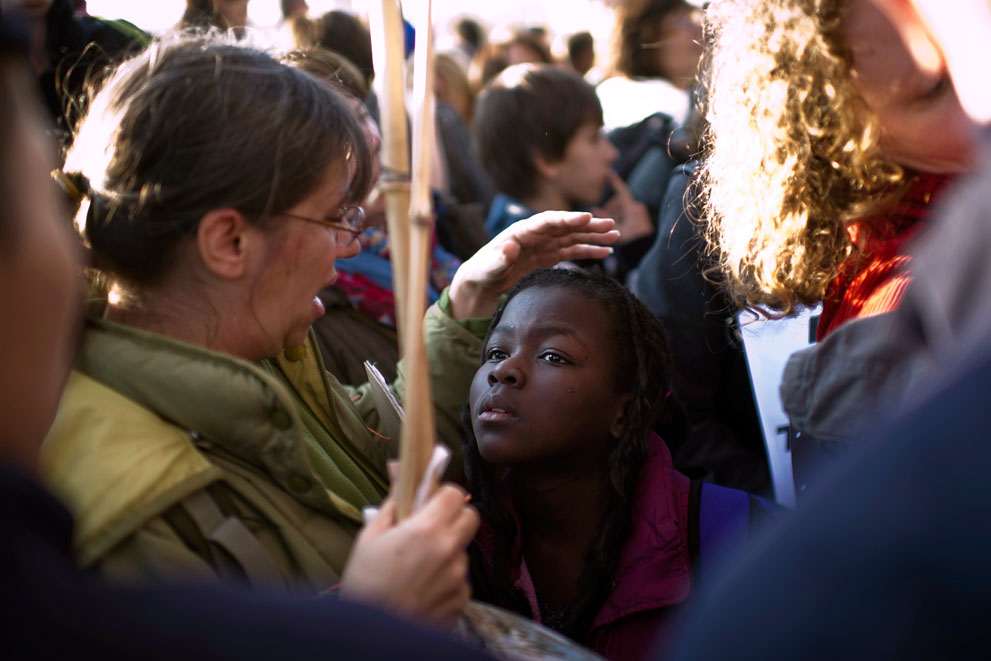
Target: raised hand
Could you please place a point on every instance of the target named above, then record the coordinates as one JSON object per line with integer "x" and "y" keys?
{"x": 539, "y": 241}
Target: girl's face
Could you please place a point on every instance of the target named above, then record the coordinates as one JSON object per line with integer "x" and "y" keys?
{"x": 38, "y": 269}
{"x": 923, "y": 125}
{"x": 545, "y": 397}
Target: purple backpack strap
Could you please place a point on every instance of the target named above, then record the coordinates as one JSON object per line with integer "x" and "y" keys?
{"x": 721, "y": 520}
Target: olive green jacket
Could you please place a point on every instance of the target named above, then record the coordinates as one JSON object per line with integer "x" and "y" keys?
{"x": 182, "y": 462}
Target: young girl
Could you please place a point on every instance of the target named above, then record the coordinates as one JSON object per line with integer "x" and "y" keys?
{"x": 586, "y": 526}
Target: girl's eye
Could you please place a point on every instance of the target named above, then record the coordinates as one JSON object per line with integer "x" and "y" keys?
{"x": 496, "y": 354}
{"x": 554, "y": 358}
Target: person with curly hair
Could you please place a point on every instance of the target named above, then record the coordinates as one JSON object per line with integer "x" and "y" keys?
{"x": 828, "y": 148}
{"x": 825, "y": 151}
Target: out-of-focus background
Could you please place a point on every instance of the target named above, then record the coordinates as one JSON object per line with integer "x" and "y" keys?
{"x": 564, "y": 17}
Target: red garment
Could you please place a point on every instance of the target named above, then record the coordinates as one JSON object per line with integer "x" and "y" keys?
{"x": 874, "y": 281}
{"x": 653, "y": 572}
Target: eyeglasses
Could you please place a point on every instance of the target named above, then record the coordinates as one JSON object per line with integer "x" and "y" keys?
{"x": 349, "y": 223}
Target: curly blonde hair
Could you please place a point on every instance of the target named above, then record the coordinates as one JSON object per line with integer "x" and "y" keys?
{"x": 792, "y": 150}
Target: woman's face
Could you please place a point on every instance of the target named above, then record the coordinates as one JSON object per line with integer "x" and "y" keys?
{"x": 39, "y": 261}
{"x": 300, "y": 262}
{"x": 679, "y": 46}
{"x": 545, "y": 397}
{"x": 923, "y": 125}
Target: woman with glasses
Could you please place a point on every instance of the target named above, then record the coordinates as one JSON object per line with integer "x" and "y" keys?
{"x": 199, "y": 434}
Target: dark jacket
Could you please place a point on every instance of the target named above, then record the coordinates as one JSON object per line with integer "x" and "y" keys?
{"x": 79, "y": 47}
{"x": 708, "y": 370}
{"x": 888, "y": 557}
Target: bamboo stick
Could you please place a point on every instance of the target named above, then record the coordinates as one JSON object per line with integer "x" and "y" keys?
{"x": 418, "y": 436}
{"x": 388, "y": 54}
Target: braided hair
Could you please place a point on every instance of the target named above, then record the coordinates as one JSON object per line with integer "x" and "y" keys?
{"x": 641, "y": 357}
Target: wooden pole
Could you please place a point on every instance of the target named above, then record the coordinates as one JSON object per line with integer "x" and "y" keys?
{"x": 388, "y": 53}
{"x": 418, "y": 436}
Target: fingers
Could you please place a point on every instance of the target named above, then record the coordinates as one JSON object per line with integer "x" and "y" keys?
{"x": 557, "y": 223}
{"x": 572, "y": 253}
{"x": 385, "y": 519}
{"x": 449, "y": 594}
{"x": 618, "y": 185}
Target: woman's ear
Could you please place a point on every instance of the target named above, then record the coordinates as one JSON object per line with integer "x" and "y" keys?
{"x": 620, "y": 419}
{"x": 224, "y": 241}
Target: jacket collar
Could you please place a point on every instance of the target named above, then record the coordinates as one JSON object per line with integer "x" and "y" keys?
{"x": 233, "y": 404}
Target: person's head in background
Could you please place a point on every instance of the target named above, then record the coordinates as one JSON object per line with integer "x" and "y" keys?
{"x": 452, "y": 87}
{"x": 527, "y": 46}
{"x": 471, "y": 35}
{"x": 39, "y": 264}
{"x": 293, "y": 8}
{"x": 202, "y": 162}
{"x": 223, "y": 14}
{"x": 346, "y": 34}
{"x": 338, "y": 72}
{"x": 581, "y": 52}
{"x": 818, "y": 105}
{"x": 538, "y": 133}
{"x": 658, "y": 39}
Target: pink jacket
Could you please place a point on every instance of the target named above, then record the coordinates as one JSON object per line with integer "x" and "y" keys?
{"x": 652, "y": 575}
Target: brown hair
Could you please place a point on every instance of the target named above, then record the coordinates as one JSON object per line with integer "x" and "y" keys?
{"x": 791, "y": 150}
{"x": 638, "y": 30}
{"x": 452, "y": 87}
{"x": 331, "y": 67}
{"x": 530, "y": 110}
{"x": 344, "y": 33}
{"x": 197, "y": 123}
{"x": 202, "y": 14}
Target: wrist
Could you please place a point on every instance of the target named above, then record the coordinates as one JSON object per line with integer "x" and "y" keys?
{"x": 468, "y": 300}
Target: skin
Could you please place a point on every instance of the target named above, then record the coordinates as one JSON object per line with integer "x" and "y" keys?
{"x": 544, "y": 399}
{"x": 680, "y": 46}
{"x": 544, "y": 403}
{"x": 960, "y": 40}
{"x": 580, "y": 176}
{"x": 38, "y": 271}
{"x": 923, "y": 124}
{"x": 579, "y": 179}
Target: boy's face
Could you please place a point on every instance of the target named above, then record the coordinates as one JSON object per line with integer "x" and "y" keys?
{"x": 582, "y": 173}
